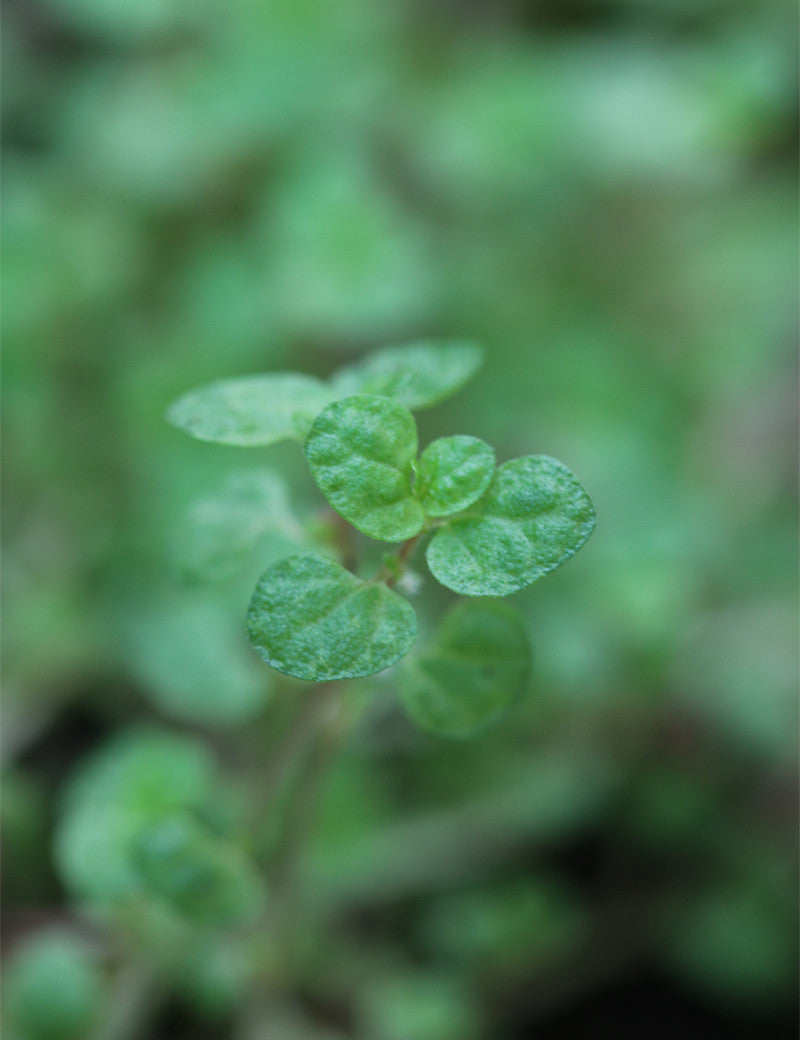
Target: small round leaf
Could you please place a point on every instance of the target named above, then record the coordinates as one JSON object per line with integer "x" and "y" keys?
{"x": 418, "y": 375}
{"x": 312, "y": 619}
{"x": 54, "y": 989}
{"x": 361, "y": 452}
{"x": 137, "y": 777}
{"x": 201, "y": 876}
{"x": 533, "y": 518}
{"x": 452, "y": 473}
{"x": 251, "y": 410}
{"x": 473, "y": 672}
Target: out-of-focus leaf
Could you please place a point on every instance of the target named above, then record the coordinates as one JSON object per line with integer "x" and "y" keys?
{"x": 475, "y": 669}
{"x": 251, "y": 410}
{"x": 418, "y": 375}
{"x": 53, "y": 988}
{"x": 137, "y": 778}
{"x": 731, "y": 943}
{"x": 191, "y": 655}
{"x": 420, "y": 1006}
{"x": 202, "y": 877}
{"x": 224, "y": 528}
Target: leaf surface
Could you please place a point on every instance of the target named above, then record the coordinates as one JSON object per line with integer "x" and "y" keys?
{"x": 418, "y": 375}
{"x": 533, "y": 518}
{"x": 252, "y": 410}
{"x": 452, "y": 473}
{"x": 361, "y": 452}
{"x": 312, "y": 619}
{"x": 471, "y": 674}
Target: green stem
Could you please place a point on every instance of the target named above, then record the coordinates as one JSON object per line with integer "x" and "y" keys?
{"x": 394, "y": 569}
{"x": 298, "y": 819}
{"x": 135, "y": 1001}
{"x": 299, "y": 736}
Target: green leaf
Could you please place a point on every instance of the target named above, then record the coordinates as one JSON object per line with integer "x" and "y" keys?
{"x": 191, "y": 656}
{"x": 418, "y": 375}
{"x": 452, "y": 473}
{"x": 533, "y": 518}
{"x": 135, "y": 779}
{"x": 224, "y": 528}
{"x": 197, "y": 874}
{"x": 53, "y": 988}
{"x": 251, "y": 410}
{"x": 474, "y": 671}
{"x": 419, "y": 1005}
{"x": 312, "y": 619}
{"x": 361, "y": 452}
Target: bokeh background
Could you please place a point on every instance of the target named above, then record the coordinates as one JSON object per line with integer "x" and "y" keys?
{"x": 602, "y": 192}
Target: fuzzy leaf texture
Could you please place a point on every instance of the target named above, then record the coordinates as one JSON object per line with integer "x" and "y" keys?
{"x": 361, "y": 452}
{"x": 252, "y": 410}
{"x": 472, "y": 673}
{"x": 312, "y": 619}
{"x": 533, "y": 518}
{"x": 452, "y": 473}
{"x": 417, "y": 375}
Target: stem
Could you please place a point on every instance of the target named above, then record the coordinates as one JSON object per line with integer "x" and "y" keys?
{"x": 390, "y": 575}
{"x": 135, "y": 1000}
{"x": 298, "y": 819}
{"x": 301, "y": 730}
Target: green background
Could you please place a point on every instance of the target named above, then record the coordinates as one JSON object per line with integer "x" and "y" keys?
{"x": 602, "y": 192}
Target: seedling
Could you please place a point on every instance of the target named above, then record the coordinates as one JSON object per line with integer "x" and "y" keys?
{"x": 489, "y": 530}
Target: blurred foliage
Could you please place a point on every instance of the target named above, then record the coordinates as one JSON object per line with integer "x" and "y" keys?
{"x": 602, "y": 193}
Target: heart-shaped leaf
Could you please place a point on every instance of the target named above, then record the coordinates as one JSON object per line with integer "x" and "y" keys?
{"x": 252, "y": 410}
{"x": 472, "y": 673}
{"x": 418, "y": 375}
{"x": 361, "y": 452}
{"x": 312, "y": 619}
{"x": 452, "y": 473}
{"x": 533, "y": 518}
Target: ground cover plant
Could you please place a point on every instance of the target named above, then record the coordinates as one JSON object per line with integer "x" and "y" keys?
{"x": 597, "y": 835}
{"x": 494, "y": 530}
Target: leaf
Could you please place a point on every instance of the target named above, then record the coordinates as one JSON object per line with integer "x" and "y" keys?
{"x": 251, "y": 410}
{"x": 361, "y": 452}
{"x": 475, "y": 669}
{"x": 137, "y": 778}
{"x": 312, "y": 619}
{"x": 224, "y": 528}
{"x": 197, "y": 874}
{"x": 533, "y": 518}
{"x": 191, "y": 655}
{"x": 418, "y": 375}
{"x": 53, "y": 988}
{"x": 452, "y": 473}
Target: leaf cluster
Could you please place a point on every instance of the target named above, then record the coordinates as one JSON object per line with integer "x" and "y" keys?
{"x": 490, "y": 530}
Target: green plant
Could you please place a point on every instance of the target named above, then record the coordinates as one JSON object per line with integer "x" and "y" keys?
{"x": 490, "y": 530}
